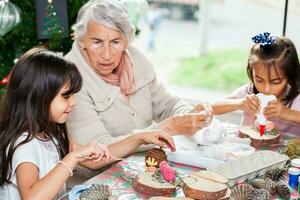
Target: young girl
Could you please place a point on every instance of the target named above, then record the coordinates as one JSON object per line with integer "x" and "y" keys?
{"x": 37, "y": 155}
{"x": 273, "y": 69}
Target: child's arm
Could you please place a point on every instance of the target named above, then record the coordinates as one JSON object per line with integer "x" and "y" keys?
{"x": 226, "y": 105}
{"x": 290, "y": 115}
{"x": 250, "y": 103}
{"x": 129, "y": 145}
{"x": 33, "y": 188}
{"x": 277, "y": 109}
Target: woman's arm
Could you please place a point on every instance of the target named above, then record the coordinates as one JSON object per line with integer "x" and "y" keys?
{"x": 129, "y": 145}
{"x": 166, "y": 105}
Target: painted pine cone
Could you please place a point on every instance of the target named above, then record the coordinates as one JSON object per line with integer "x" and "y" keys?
{"x": 283, "y": 190}
{"x": 241, "y": 192}
{"x": 154, "y": 157}
{"x": 260, "y": 194}
{"x": 271, "y": 186}
{"x": 258, "y": 183}
{"x": 276, "y": 174}
{"x": 96, "y": 192}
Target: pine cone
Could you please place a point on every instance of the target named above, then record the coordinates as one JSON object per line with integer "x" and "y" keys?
{"x": 260, "y": 194}
{"x": 271, "y": 186}
{"x": 259, "y": 183}
{"x": 267, "y": 184}
{"x": 95, "y": 192}
{"x": 155, "y": 156}
{"x": 276, "y": 174}
{"x": 293, "y": 148}
{"x": 283, "y": 190}
{"x": 241, "y": 192}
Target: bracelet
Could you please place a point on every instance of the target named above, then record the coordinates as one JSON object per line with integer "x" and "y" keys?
{"x": 66, "y": 166}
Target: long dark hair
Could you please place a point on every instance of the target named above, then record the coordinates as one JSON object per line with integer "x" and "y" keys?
{"x": 36, "y": 79}
{"x": 282, "y": 54}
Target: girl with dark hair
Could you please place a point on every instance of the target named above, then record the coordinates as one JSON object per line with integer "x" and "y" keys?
{"x": 37, "y": 154}
{"x": 273, "y": 69}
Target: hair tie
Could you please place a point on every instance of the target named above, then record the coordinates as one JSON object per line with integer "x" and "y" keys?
{"x": 264, "y": 39}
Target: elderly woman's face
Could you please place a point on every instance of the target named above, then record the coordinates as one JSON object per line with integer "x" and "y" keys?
{"x": 104, "y": 47}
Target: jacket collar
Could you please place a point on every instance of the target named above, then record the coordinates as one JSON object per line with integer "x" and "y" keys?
{"x": 101, "y": 91}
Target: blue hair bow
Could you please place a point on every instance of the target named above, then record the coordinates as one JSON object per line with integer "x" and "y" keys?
{"x": 263, "y": 39}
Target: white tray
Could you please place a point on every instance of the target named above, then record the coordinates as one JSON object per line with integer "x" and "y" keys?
{"x": 249, "y": 167}
{"x": 189, "y": 153}
{"x": 192, "y": 159}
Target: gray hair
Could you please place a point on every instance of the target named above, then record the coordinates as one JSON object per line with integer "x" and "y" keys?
{"x": 110, "y": 13}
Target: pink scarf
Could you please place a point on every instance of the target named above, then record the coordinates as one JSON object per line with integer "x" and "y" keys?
{"x": 122, "y": 76}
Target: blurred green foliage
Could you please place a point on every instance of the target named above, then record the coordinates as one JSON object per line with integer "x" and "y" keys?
{"x": 220, "y": 70}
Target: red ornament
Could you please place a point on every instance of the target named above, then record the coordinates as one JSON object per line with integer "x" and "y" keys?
{"x": 262, "y": 130}
{"x": 5, "y": 80}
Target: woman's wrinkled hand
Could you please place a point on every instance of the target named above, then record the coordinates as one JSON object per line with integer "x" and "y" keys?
{"x": 205, "y": 108}
{"x": 187, "y": 124}
{"x": 158, "y": 137}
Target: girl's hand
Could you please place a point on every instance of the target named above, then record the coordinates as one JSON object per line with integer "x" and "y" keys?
{"x": 274, "y": 109}
{"x": 251, "y": 104}
{"x": 185, "y": 124}
{"x": 92, "y": 151}
{"x": 157, "y": 137}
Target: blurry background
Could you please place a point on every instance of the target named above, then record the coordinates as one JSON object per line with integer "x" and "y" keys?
{"x": 210, "y": 63}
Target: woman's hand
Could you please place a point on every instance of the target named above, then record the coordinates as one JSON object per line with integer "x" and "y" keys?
{"x": 251, "y": 104}
{"x": 92, "y": 151}
{"x": 204, "y": 108}
{"x": 157, "y": 137}
{"x": 274, "y": 109}
{"x": 184, "y": 124}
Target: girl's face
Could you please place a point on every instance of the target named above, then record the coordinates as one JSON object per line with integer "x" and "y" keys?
{"x": 104, "y": 47}
{"x": 271, "y": 82}
{"x": 61, "y": 106}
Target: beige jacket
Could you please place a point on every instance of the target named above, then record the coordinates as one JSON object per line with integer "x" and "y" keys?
{"x": 102, "y": 114}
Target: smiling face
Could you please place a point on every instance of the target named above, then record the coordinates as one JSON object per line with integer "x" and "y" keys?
{"x": 104, "y": 47}
{"x": 269, "y": 81}
{"x": 61, "y": 105}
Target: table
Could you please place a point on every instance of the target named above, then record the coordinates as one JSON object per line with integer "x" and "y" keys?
{"x": 118, "y": 178}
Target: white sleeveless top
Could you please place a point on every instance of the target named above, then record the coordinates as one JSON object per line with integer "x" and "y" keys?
{"x": 42, "y": 154}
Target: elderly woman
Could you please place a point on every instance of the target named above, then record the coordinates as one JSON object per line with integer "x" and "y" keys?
{"x": 121, "y": 94}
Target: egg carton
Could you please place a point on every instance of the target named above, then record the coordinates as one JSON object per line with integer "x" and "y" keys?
{"x": 248, "y": 167}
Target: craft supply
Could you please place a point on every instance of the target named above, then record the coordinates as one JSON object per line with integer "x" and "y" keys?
{"x": 296, "y": 163}
{"x": 283, "y": 190}
{"x": 299, "y": 185}
{"x": 293, "y": 176}
{"x": 293, "y": 148}
{"x": 95, "y": 192}
{"x": 242, "y": 191}
{"x": 260, "y": 194}
{"x": 205, "y": 185}
{"x": 167, "y": 172}
{"x": 276, "y": 174}
{"x": 154, "y": 157}
{"x": 264, "y": 100}
{"x": 249, "y": 167}
{"x": 262, "y": 124}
